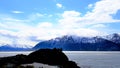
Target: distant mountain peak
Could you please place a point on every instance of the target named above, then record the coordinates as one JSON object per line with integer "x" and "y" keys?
{"x": 115, "y": 37}
{"x": 72, "y": 42}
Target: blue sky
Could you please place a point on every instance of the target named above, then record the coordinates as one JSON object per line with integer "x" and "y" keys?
{"x": 26, "y": 22}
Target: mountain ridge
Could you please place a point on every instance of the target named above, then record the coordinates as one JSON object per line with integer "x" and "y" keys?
{"x": 72, "y": 42}
{"x": 9, "y": 48}
{"x": 97, "y": 43}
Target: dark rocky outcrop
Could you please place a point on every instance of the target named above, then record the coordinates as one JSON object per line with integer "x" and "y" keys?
{"x": 45, "y": 56}
{"x": 49, "y": 56}
{"x": 18, "y": 59}
{"x": 12, "y": 60}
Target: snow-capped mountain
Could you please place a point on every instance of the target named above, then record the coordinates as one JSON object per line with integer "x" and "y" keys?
{"x": 114, "y": 38}
{"x": 80, "y": 43}
{"x": 11, "y": 48}
{"x": 16, "y": 45}
{"x": 72, "y": 42}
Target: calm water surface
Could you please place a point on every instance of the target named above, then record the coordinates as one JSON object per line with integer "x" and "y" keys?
{"x": 86, "y": 59}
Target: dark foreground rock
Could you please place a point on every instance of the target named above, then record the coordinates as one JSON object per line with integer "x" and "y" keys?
{"x": 17, "y": 60}
{"x": 48, "y": 56}
{"x": 45, "y": 56}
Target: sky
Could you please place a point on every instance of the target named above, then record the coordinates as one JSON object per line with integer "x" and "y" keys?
{"x": 27, "y": 22}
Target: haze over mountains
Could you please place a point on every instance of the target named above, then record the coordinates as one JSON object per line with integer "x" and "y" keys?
{"x": 72, "y": 42}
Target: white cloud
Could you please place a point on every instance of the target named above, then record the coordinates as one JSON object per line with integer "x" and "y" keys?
{"x": 17, "y": 12}
{"x": 44, "y": 24}
{"x": 90, "y": 6}
{"x": 59, "y": 5}
{"x": 102, "y": 11}
{"x": 35, "y": 16}
{"x": 70, "y": 19}
{"x": 95, "y": 19}
{"x": 14, "y": 24}
{"x": 5, "y": 40}
{"x": 86, "y": 32}
{"x": 99, "y": 26}
{"x": 71, "y": 22}
{"x": 68, "y": 14}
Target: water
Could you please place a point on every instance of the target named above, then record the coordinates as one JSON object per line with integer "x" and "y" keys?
{"x": 92, "y": 59}
{"x": 86, "y": 59}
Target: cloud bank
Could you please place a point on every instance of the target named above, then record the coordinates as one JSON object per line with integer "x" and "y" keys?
{"x": 16, "y": 31}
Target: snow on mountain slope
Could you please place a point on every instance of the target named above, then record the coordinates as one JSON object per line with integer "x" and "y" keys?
{"x": 73, "y": 42}
{"x": 114, "y": 38}
{"x": 68, "y": 42}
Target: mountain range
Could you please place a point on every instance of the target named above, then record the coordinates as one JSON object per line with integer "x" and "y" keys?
{"x": 75, "y": 43}
{"x": 10, "y": 48}
{"x": 71, "y": 42}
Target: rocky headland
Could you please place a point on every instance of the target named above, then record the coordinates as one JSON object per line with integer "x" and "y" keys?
{"x": 54, "y": 57}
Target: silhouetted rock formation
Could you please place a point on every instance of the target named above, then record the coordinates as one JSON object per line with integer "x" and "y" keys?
{"x": 12, "y": 60}
{"x": 69, "y": 64}
{"x": 45, "y": 56}
{"x": 48, "y": 56}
